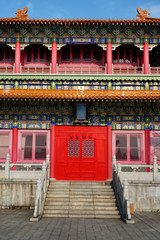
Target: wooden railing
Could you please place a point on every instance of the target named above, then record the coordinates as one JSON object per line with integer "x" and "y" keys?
{"x": 81, "y": 69}
{"x": 35, "y": 70}
{"x": 155, "y": 70}
{"x": 124, "y": 70}
{"x": 7, "y": 69}
{"x": 127, "y": 70}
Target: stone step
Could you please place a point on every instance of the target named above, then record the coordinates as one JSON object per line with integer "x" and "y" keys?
{"x": 81, "y": 216}
{"x": 84, "y": 199}
{"x": 79, "y": 183}
{"x": 55, "y": 215}
{"x": 79, "y": 194}
{"x": 87, "y": 211}
{"x": 80, "y": 199}
{"x": 116, "y": 216}
{"x": 81, "y": 211}
{"x": 92, "y": 193}
{"x": 67, "y": 203}
{"x": 81, "y": 207}
{"x": 80, "y": 189}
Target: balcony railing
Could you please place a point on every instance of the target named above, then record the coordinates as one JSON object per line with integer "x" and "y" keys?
{"x": 127, "y": 70}
{"x": 35, "y": 69}
{"x": 81, "y": 69}
{"x": 7, "y": 69}
{"x": 89, "y": 70}
{"x": 155, "y": 70}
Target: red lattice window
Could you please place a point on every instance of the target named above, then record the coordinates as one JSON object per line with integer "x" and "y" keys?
{"x": 73, "y": 148}
{"x": 88, "y": 149}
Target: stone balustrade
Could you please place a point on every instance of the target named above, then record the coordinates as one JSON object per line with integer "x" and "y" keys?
{"x": 136, "y": 185}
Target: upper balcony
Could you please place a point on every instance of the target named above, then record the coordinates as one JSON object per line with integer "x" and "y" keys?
{"x": 78, "y": 59}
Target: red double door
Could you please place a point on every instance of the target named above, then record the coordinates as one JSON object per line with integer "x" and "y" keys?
{"x": 80, "y": 153}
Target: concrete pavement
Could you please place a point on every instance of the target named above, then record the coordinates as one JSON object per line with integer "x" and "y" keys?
{"x": 15, "y": 225}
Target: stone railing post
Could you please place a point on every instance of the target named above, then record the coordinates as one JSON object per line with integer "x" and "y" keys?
{"x": 114, "y": 163}
{"x": 7, "y": 167}
{"x": 155, "y": 168}
{"x": 44, "y": 168}
{"x": 125, "y": 189}
{"x": 39, "y": 195}
{"x": 47, "y": 161}
{"x": 119, "y": 168}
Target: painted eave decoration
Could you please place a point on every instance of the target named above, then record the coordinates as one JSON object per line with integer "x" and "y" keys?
{"x": 80, "y": 77}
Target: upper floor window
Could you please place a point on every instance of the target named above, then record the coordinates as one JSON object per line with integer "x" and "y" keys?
{"x": 81, "y": 53}
{"x": 37, "y": 54}
{"x": 7, "y": 55}
{"x": 33, "y": 146}
{"x": 128, "y": 147}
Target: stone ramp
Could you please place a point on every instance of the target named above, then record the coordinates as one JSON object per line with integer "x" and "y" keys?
{"x": 76, "y": 199}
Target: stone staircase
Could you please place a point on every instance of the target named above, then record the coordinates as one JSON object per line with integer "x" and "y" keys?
{"x": 80, "y": 199}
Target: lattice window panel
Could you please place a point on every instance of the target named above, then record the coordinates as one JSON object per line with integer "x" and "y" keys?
{"x": 88, "y": 149}
{"x": 73, "y": 149}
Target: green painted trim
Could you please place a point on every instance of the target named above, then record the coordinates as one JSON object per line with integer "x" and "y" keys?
{"x": 81, "y": 77}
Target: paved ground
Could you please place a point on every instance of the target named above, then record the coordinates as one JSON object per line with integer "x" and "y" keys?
{"x": 15, "y": 225}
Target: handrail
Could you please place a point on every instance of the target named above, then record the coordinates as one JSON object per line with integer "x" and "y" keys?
{"x": 124, "y": 173}
{"x": 42, "y": 187}
{"x": 121, "y": 191}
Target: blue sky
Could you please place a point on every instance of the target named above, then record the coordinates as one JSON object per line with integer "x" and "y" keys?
{"x": 80, "y": 9}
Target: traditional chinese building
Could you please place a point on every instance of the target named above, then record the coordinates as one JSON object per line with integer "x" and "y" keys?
{"x": 80, "y": 90}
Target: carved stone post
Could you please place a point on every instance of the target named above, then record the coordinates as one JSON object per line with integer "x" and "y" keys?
{"x": 119, "y": 168}
{"x": 38, "y": 193}
{"x": 114, "y": 163}
{"x": 7, "y": 167}
{"x": 125, "y": 188}
{"x": 155, "y": 168}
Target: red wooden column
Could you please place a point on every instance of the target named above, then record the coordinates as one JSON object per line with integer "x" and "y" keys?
{"x": 146, "y": 57}
{"x": 147, "y": 146}
{"x": 14, "y": 144}
{"x": 52, "y": 150}
{"x": 54, "y": 58}
{"x": 17, "y": 57}
{"x": 109, "y": 151}
{"x": 109, "y": 58}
